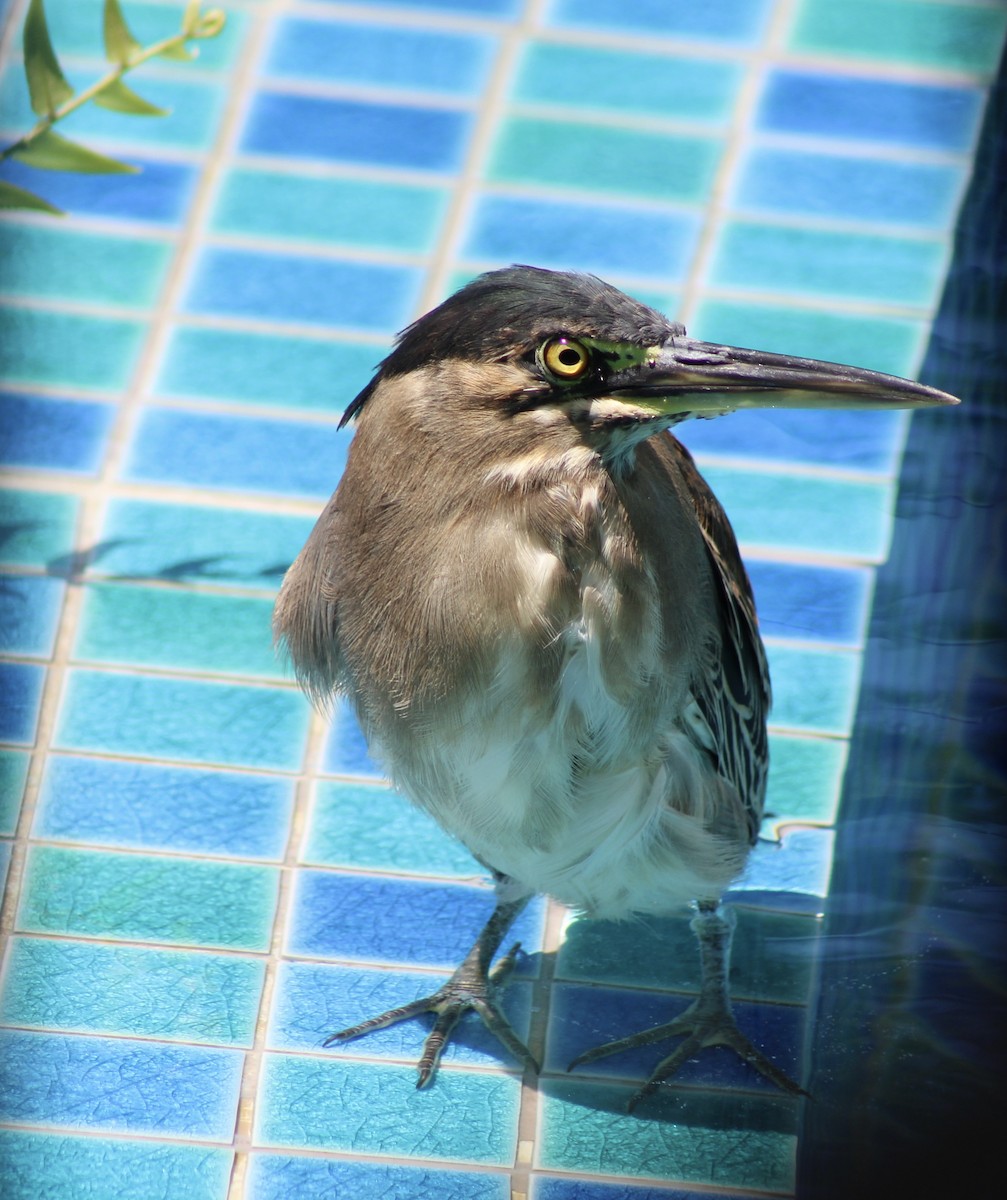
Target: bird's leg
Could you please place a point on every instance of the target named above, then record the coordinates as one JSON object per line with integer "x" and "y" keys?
{"x": 708, "y": 1021}
{"x": 470, "y": 989}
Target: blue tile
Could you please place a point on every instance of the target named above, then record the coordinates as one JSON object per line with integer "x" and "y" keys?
{"x": 287, "y": 458}
{"x": 370, "y": 919}
{"x": 379, "y": 135}
{"x": 42, "y": 432}
{"x": 160, "y": 194}
{"x": 797, "y": 867}
{"x": 546, "y": 1187}
{"x": 314, "y": 1000}
{"x": 346, "y": 748}
{"x": 183, "y": 720}
{"x": 305, "y": 289}
{"x": 20, "y": 697}
{"x": 838, "y": 106}
{"x": 187, "y": 543}
{"x": 716, "y": 20}
{"x": 592, "y": 237}
{"x": 179, "y": 809}
{"x": 60, "y": 1166}
{"x": 30, "y": 607}
{"x": 13, "y": 776}
{"x": 456, "y": 64}
{"x": 284, "y": 1176}
{"x": 853, "y": 440}
{"x": 798, "y": 600}
{"x": 76, "y": 1082}
{"x": 475, "y": 8}
{"x": 834, "y": 185}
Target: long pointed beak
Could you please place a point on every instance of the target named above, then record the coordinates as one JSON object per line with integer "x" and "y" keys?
{"x": 705, "y": 379}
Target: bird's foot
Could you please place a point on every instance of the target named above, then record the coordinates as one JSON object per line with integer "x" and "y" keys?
{"x": 470, "y": 989}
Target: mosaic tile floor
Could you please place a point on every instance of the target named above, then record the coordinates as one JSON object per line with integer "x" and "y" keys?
{"x": 204, "y": 878}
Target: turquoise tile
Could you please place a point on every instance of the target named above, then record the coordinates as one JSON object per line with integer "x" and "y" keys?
{"x": 189, "y": 543}
{"x": 398, "y": 217}
{"x": 37, "y": 527}
{"x": 587, "y": 78}
{"x": 819, "y": 262}
{"x": 891, "y": 344}
{"x": 659, "y": 166}
{"x": 727, "y": 1139}
{"x": 72, "y": 1082}
{"x": 772, "y": 957}
{"x": 69, "y": 264}
{"x": 183, "y": 720}
{"x": 61, "y": 1165}
{"x": 13, "y": 774}
{"x": 729, "y": 21}
{"x": 283, "y": 1176}
{"x": 840, "y": 517}
{"x": 30, "y": 608}
{"x": 951, "y": 37}
{"x": 475, "y": 8}
{"x": 136, "y": 805}
{"x": 68, "y": 349}
{"x": 356, "y": 825}
{"x": 6, "y": 850}
{"x": 777, "y": 179}
{"x": 20, "y": 699}
{"x": 266, "y": 369}
{"x": 793, "y": 871}
{"x": 805, "y": 778}
{"x": 148, "y": 898}
{"x": 315, "y": 1103}
{"x": 169, "y": 627}
{"x": 381, "y": 56}
{"x": 237, "y": 453}
{"x": 51, "y": 434}
{"x": 313, "y": 1000}
{"x": 814, "y": 690}
{"x": 170, "y": 995}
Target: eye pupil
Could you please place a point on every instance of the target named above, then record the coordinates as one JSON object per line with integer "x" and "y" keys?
{"x": 570, "y": 357}
{"x": 565, "y": 358}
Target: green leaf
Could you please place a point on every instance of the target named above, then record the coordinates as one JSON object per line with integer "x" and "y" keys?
{"x": 120, "y": 98}
{"x": 120, "y": 45}
{"x": 12, "y": 196}
{"x": 55, "y": 153}
{"x": 47, "y": 85}
{"x": 178, "y": 50}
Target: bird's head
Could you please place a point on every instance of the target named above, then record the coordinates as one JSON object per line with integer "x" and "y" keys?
{"x": 553, "y": 349}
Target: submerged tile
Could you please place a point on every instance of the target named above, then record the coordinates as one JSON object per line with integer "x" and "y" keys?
{"x": 237, "y": 453}
{"x": 813, "y": 603}
{"x": 557, "y": 1187}
{"x": 814, "y": 690}
{"x": 30, "y": 608}
{"x": 281, "y": 1176}
{"x": 13, "y": 774}
{"x": 149, "y": 898}
{"x": 62, "y": 349}
{"x": 805, "y": 778}
{"x": 795, "y": 870}
{"x": 180, "y": 629}
{"x": 165, "y": 994}
{"x": 61, "y": 1165}
{"x": 189, "y": 543}
{"x": 50, "y": 434}
{"x": 74, "y": 1082}
{"x": 345, "y": 747}
{"x": 302, "y": 288}
{"x": 156, "y": 807}
{"x": 182, "y": 720}
{"x": 36, "y": 527}
{"x": 20, "y": 698}
{"x": 732, "y": 21}
{"x": 316, "y": 1103}
{"x": 266, "y": 369}
{"x": 367, "y": 826}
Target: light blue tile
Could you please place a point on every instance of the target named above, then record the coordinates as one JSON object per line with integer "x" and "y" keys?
{"x": 144, "y": 539}
{"x": 159, "y": 195}
{"x": 178, "y": 809}
{"x": 283, "y": 1176}
{"x": 237, "y": 453}
{"x": 732, "y": 21}
{"x": 606, "y": 239}
{"x": 62, "y": 1166}
{"x": 316, "y": 1103}
{"x": 351, "y": 131}
{"x": 37, "y": 527}
{"x": 183, "y": 719}
{"x": 814, "y": 690}
{"x": 50, "y": 434}
{"x": 75, "y": 1082}
{"x": 476, "y": 8}
{"x": 805, "y": 778}
{"x": 30, "y": 607}
{"x": 20, "y": 698}
{"x": 13, "y": 775}
{"x": 62, "y": 349}
{"x": 798, "y": 866}
{"x": 812, "y": 603}
{"x": 265, "y": 369}
{"x": 301, "y": 288}
{"x": 386, "y": 56}
{"x": 170, "y": 995}
{"x": 346, "y": 748}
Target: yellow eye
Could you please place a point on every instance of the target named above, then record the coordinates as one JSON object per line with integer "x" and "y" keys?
{"x": 565, "y": 359}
